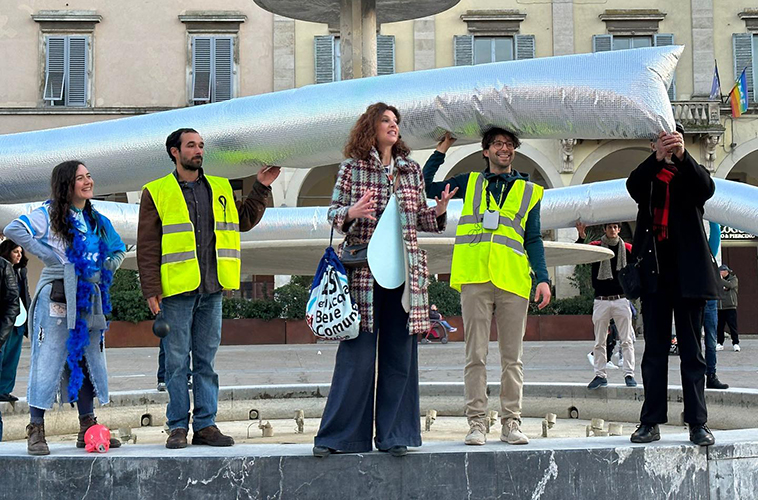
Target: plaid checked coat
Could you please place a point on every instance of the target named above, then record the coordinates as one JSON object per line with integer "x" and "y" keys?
{"x": 354, "y": 179}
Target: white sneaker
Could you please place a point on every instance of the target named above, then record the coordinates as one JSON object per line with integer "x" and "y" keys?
{"x": 512, "y": 433}
{"x": 736, "y": 348}
{"x": 591, "y": 359}
{"x": 610, "y": 366}
{"x": 453, "y": 329}
{"x": 476, "y": 435}
{"x": 719, "y": 347}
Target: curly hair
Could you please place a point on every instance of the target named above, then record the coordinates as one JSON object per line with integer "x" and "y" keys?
{"x": 6, "y": 247}
{"x": 363, "y": 135}
{"x": 62, "y": 189}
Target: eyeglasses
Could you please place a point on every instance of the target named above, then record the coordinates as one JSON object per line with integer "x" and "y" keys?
{"x": 501, "y": 144}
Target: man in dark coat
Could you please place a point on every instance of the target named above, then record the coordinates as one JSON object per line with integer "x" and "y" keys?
{"x": 678, "y": 276}
{"x": 9, "y": 308}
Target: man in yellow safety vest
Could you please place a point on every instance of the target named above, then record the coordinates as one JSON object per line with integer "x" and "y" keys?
{"x": 497, "y": 242}
{"x": 188, "y": 251}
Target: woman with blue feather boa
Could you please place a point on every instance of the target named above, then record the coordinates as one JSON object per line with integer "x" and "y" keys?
{"x": 66, "y": 324}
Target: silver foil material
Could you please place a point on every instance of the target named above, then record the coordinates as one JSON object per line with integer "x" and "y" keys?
{"x": 734, "y": 204}
{"x": 605, "y": 95}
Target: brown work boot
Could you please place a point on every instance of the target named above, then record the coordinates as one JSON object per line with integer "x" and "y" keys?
{"x": 177, "y": 439}
{"x": 35, "y": 440}
{"x": 211, "y": 436}
{"x": 85, "y": 422}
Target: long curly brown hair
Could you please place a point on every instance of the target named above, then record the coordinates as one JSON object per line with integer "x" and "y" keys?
{"x": 62, "y": 189}
{"x": 363, "y": 136}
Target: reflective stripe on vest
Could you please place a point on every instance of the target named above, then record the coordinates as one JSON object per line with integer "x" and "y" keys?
{"x": 180, "y": 269}
{"x": 496, "y": 256}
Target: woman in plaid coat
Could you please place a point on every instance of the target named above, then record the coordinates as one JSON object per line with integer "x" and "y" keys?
{"x": 377, "y": 164}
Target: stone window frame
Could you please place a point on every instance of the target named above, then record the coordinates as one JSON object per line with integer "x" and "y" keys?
{"x": 212, "y": 23}
{"x": 66, "y": 23}
{"x": 750, "y": 16}
{"x": 493, "y": 23}
{"x": 631, "y": 22}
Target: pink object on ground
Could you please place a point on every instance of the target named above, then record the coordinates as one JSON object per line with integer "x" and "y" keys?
{"x": 97, "y": 439}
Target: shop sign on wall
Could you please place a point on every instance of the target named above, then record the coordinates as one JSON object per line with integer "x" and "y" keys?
{"x": 729, "y": 233}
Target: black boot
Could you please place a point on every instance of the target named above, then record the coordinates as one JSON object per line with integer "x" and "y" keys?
{"x": 701, "y": 435}
{"x": 646, "y": 433}
{"x": 713, "y": 382}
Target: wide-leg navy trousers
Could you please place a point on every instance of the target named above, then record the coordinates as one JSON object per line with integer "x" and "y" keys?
{"x": 348, "y": 421}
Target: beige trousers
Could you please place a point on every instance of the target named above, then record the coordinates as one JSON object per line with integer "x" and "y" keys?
{"x": 477, "y": 304}
{"x": 602, "y": 312}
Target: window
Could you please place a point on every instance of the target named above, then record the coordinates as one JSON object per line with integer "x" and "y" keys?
{"x": 212, "y": 69}
{"x": 328, "y": 58}
{"x": 493, "y": 49}
{"x": 631, "y": 42}
{"x": 605, "y": 43}
{"x": 745, "y": 46}
{"x": 471, "y": 49}
{"x": 66, "y": 70}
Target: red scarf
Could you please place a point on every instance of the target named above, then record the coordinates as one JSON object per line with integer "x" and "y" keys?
{"x": 661, "y": 213}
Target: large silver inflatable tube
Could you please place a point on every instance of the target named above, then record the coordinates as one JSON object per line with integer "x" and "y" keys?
{"x": 605, "y": 95}
{"x": 734, "y": 204}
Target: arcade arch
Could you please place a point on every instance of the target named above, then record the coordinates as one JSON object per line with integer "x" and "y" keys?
{"x": 742, "y": 164}
{"x": 613, "y": 160}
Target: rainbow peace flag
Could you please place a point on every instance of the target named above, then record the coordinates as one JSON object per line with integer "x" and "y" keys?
{"x": 738, "y": 96}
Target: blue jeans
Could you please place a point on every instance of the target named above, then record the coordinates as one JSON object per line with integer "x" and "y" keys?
{"x": 195, "y": 322}
{"x": 710, "y": 321}
{"x": 162, "y": 365}
{"x": 11, "y": 353}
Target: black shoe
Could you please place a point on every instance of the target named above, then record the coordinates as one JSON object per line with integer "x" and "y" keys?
{"x": 398, "y": 451}
{"x": 701, "y": 435}
{"x": 597, "y": 383}
{"x": 646, "y": 433}
{"x": 630, "y": 382}
{"x": 713, "y": 382}
{"x": 8, "y": 398}
{"x": 321, "y": 451}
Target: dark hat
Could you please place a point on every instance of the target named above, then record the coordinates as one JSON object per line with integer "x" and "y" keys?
{"x": 679, "y": 128}
{"x": 724, "y": 267}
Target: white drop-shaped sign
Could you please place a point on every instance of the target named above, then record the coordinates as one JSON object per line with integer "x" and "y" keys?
{"x": 21, "y": 318}
{"x": 386, "y": 249}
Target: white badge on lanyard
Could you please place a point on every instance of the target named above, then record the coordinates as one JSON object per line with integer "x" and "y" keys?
{"x": 491, "y": 220}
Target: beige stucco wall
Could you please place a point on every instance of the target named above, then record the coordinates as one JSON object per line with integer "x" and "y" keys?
{"x": 138, "y": 63}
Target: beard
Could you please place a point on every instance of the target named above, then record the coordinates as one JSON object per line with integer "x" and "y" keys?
{"x": 192, "y": 164}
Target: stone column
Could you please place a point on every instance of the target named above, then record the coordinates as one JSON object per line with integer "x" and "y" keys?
{"x": 358, "y": 38}
{"x": 284, "y": 53}
{"x": 703, "y": 54}
{"x": 563, "y": 27}
{"x": 423, "y": 43}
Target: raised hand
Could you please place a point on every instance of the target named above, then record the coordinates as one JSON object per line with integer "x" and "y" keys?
{"x": 442, "y": 202}
{"x": 581, "y": 229}
{"x": 446, "y": 142}
{"x": 268, "y": 174}
{"x": 363, "y": 208}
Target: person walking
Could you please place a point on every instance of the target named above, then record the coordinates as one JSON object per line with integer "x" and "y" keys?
{"x": 610, "y": 304}
{"x": 188, "y": 251}
{"x": 377, "y": 166}
{"x": 678, "y": 276}
{"x": 11, "y": 350}
{"x": 728, "y": 308}
{"x": 498, "y": 243}
{"x": 80, "y": 250}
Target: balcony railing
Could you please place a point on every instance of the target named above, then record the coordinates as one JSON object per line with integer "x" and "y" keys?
{"x": 698, "y": 115}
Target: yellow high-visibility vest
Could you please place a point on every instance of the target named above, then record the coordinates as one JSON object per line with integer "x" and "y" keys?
{"x": 180, "y": 268}
{"x": 482, "y": 255}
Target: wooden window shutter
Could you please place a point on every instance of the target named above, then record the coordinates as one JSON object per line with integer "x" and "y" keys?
{"x": 76, "y": 78}
{"x": 602, "y": 43}
{"x": 223, "y": 69}
{"x": 201, "y": 69}
{"x": 323, "y": 49}
{"x": 463, "y": 50}
{"x": 524, "y": 46}
{"x": 661, "y": 40}
{"x": 385, "y": 54}
{"x": 55, "y": 68}
{"x": 742, "y": 43}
